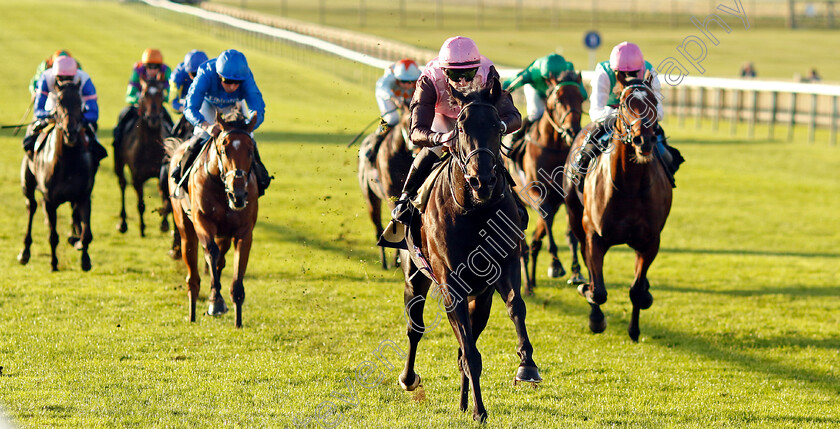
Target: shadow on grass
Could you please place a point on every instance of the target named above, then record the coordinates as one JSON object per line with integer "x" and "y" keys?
{"x": 798, "y": 291}
{"x": 735, "y": 252}
{"x": 722, "y": 141}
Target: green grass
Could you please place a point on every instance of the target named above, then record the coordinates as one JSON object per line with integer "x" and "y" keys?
{"x": 777, "y": 53}
{"x": 744, "y": 332}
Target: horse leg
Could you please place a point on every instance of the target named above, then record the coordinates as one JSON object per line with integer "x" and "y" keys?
{"x": 212, "y": 253}
{"x": 640, "y": 290}
{"x": 119, "y": 168}
{"x": 470, "y": 358}
{"x": 141, "y": 205}
{"x": 242, "y": 251}
{"x": 82, "y": 211}
{"x": 31, "y": 206}
{"x": 595, "y": 292}
{"x": 163, "y": 191}
{"x": 555, "y": 270}
{"x": 414, "y": 297}
{"x": 175, "y": 251}
{"x": 189, "y": 253}
{"x": 536, "y": 246}
{"x": 479, "y": 314}
{"x": 508, "y": 287}
{"x": 523, "y": 259}
{"x": 577, "y": 277}
{"x": 375, "y": 213}
{"x": 50, "y": 210}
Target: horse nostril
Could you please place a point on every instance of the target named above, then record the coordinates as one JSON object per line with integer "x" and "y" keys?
{"x": 473, "y": 181}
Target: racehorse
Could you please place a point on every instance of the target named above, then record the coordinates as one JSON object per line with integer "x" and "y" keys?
{"x": 221, "y": 209}
{"x": 63, "y": 170}
{"x": 626, "y": 199}
{"x": 539, "y": 172}
{"x": 383, "y": 179}
{"x": 470, "y": 234}
{"x": 142, "y": 150}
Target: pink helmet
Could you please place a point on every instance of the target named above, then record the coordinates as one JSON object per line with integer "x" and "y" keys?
{"x": 459, "y": 53}
{"x": 64, "y": 66}
{"x": 406, "y": 70}
{"x": 627, "y": 56}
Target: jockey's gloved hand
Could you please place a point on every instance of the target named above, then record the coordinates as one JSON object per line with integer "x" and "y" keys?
{"x": 441, "y": 138}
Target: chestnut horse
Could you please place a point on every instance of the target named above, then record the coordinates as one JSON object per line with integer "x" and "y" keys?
{"x": 539, "y": 172}
{"x": 626, "y": 199}
{"x": 470, "y": 234}
{"x": 63, "y": 170}
{"x": 383, "y": 180}
{"x": 221, "y": 209}
{"x": 142, "y": 150}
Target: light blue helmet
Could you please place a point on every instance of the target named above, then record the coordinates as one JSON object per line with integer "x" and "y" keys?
{"x": 232, "y": 65}
{"x": 193, "y": 60}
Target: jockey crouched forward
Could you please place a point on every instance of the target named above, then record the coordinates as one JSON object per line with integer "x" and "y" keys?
{"x": 625, "y": 59}
{"x": 221, "y": 85}
{"x": 64, "y": 69}
{"x": 150, "y": 68}
{"x": 434, "y": 111}
{"x": 396, "y": 86}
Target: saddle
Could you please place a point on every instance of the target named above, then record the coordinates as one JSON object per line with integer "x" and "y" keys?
{"x": 41, "y": 138}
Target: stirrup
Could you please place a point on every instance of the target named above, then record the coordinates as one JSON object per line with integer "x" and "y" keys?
{"x": 402, "y": 211}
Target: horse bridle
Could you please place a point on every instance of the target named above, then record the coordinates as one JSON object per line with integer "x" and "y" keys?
{"x": 628, "y": 126}
{"x": 237, "y": 173}
{"x": 456, "y": 154}
{"x": 566, "y": 133}
{"x": 60, "y": 120}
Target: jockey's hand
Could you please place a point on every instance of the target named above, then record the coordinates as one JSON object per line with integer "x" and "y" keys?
{"x": 446, "y": 147}
{"x": 212, "y": 129}
{"x": 445, "y": 137}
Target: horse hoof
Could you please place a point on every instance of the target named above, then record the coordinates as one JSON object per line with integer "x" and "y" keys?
{"x": 577, "y": 280}
{"x": 54, "y": 269}
{"x": 78, "y": 245}
{"x": 643, "y": 302}
{"x": 23, "y": 257}
{"x": 597, "y": 321}
{"x": 164, "y": 227}
{"x": 72, "y": 240}
{"x": 555, "y": 271}
{"x": 480, "y": 417}
{"x": 122, "y": 227}
{"x": 409, "y": 388}
{"x": 634, "y": 332}
{"x": 85, "y": 262}
{"x": 174, "y": 254}
{"x": 217, "y": 307}
{"x": 527, "y": 374}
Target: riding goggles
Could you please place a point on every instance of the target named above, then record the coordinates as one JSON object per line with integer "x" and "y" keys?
{"x": 456, "y": 75}
{"x": 231, "y": 81}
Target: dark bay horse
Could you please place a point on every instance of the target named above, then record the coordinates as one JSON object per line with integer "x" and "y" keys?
{"x": 220, "y": 210}
{"x": 538, "y": 174}
{"x": 63, "y": 170}
{"x": 470, "y": 235}
{"x": 626, "y": 199}
{"x": 383, "y": 179}
{"x": 142, "y": 150}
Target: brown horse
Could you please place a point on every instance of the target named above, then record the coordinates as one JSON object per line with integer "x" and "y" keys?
{"x": 626, "y": 199}
{"x": 221, "y": 209}
{"x": 539, "y": 173}
{"x": 470, "y": 233}
{"x": 63, "y": 170}
{"x": 142, "y": 150}
{"x": 383, "y": 180}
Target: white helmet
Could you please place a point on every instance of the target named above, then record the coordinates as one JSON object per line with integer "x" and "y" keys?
{"x": 406, "y": 70}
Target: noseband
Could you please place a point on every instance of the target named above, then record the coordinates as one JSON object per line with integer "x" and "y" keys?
{"x": 237, "y": 173}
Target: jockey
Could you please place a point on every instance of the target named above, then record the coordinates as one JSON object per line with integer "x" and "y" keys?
{"x": 535, "y": 79}
{"x": 395, "y": 88}
{"x": 434, "y": 111}
{"x": 626, "y": 60}
{"x": 44, "y": 66}
{"x": 64, "y": 69}
{"x": 182, "y": 77}
{"x": 221, "y": 85}
{"x": 150, "y": 67}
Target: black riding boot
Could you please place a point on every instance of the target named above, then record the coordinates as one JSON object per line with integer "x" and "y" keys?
{"x": 673, "y": 156}
{"x": 381, "y": 132}
{"x": 590, "y": 150}
{"x": 517, "y": 140}
{"x": 31, "y": 136}
{"x": 190, "y": 153}
{"x": 263, "y": 178}
{"x": 420, "y": 169}
{"x": 128, "y": 115}
{"x": 96, "y": 149}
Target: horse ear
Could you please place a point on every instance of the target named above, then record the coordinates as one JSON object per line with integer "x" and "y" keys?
{"x": 495, "y": 91}
{"x": 459, "y": 97}
{"x": 580, "y": 77}
{"x": 621, "y": 78}
{"x": 219, "y": 118}
{"x": 648, "y": 78}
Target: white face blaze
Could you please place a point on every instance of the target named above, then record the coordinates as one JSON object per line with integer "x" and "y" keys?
{"x": 153, "y": 90}
{"x": 236, "y": 144}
